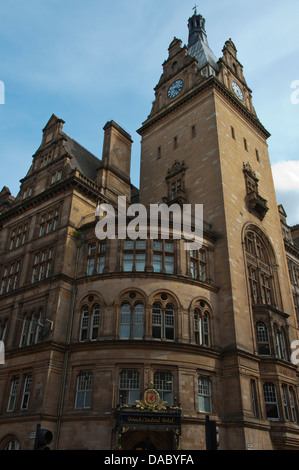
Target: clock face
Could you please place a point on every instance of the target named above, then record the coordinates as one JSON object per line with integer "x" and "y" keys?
{"x": 237, "y": 91}
{"x": 175, "y": 88}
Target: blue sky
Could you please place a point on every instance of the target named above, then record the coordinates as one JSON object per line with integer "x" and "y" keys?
{"x": 93, "y": 61}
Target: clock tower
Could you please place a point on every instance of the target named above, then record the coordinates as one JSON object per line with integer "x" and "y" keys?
{"x": 204, "y": 144}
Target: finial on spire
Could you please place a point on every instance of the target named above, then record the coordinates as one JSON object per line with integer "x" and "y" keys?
{"x": 195, "y": 9}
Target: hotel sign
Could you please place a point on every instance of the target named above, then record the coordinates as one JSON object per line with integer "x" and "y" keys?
{"x": 140, "y": 418}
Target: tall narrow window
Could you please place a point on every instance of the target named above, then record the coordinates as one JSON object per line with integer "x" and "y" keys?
{"x": 263, "y": 339}
{"x": 3, "y": 328}
{"x": 134, "y": 255}
{"x": 198, "y": 265}
{"x": 42, "y": 265}
{"x": 293, "y": 405}
{"x": 10, "y": 277}
{"x": 201, "y": 327}
{"x": 96, "y": 258}
{"x": 201, "y": 318}
{"x": 31, "y": 330}
{"x": 163, "y": 383}
{"x": 13, "y": 393}
{"x": 129, "y": 387}
{"x": 280, "y": 343}
{"x": 131, "y": 320}
{"x": 254, "y": 398}
{"x": 259, "y": 270}
{"x": 204, "y": 394}
{"x": 49, "y": 222}
{"x": 90, "y": 322}
{"x": 163, "y": 321}
{"x": 138, "y": 321}
{"x": 233, "y": 133}
{"x": 271, "y": 401}
{"x": 163, "y": 256}
{"x": 18, "y": 237}
{"x": 26, "y": 392}
{"x": 285, "y": 402}
{"x": 84, "y": 390}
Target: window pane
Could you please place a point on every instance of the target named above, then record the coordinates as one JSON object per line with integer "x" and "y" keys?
{"x": 128, "y": 261}
{"x": 101, "y": 264}
{"x": 125, "y": 321}
{"x": 138, "y": 319}
{"x": 156, "y": 321}
{"x": 169, "y": 264}
{"x": 163, "y": 382}
{"x": 169, "y": 322}
{"x": 90, "y": 266}
{"x": 140, "y": 244}
{"x": 271, "y": 401}
{"x": 140, "y": 261}
{"x": 204, "y": 394}
{"x": 157, "y": 263}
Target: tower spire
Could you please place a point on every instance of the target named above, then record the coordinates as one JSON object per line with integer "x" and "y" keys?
{"x": 198, "y": 45}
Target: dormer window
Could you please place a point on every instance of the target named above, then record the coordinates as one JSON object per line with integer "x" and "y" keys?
{"x": 56, "y": 177}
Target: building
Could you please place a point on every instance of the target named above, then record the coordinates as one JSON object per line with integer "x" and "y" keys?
{"x": 290, "y": 236}
{"x": 132, "y": 343}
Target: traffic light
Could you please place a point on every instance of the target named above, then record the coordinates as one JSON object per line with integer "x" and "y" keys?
{"x": 211, "y": 435}
{"x": 43, "y": 438}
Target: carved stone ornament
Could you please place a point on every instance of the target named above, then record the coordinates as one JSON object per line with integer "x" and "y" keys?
{"x": 151, "y": 401}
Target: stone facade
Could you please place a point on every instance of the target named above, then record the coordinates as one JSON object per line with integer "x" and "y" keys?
{"x": 129, "y": 343}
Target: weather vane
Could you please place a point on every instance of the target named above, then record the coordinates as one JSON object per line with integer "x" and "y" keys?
{"x": 195, "y": 9}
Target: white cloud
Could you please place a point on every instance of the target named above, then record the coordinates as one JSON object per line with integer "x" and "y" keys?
{"x": 286, "y": 175}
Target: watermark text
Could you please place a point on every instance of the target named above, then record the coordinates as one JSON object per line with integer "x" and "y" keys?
{"x": 295, "y": 93}
{"x": 158, "y": 223}
{"x": 2, "y": 92}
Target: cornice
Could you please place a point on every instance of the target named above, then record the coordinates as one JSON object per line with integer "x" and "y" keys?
{"x": 210, "y": 83}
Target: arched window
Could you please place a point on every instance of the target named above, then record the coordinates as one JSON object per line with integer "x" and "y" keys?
{"x": 259, "y": 269}
{"x": 131, "y": 320}
{"x": 263, "y": 339}
{"x": 163, "y": 321}
{"x": 201, "y": 323}
{"x": 90, "y": 322}
{"x": 201, "y": 327}
{"x": 12, "y": 445}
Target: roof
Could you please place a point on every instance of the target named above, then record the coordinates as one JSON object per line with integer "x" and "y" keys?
{"x": 198, "y": 45}
{"x": 85, "y": 162}
{"x": 202, "y": 52}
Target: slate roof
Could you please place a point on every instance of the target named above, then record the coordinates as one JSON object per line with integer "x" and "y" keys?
{"x": 202, "y": 52}
{"x": 85, "y": 162}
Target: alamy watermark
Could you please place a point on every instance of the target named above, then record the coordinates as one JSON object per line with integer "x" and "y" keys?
{"x": 2, "y": 92}
{"x": 295, "y": 93}
{"x": 2, "y": 353}
{"x": 155, "y": 224}
{"x": 295, "y": 353}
